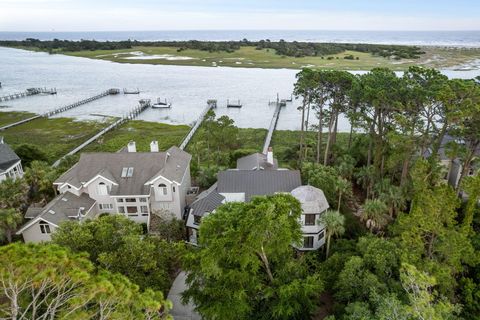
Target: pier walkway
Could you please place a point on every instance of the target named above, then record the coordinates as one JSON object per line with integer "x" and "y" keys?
{"x": 210, "y": 105}
{"x": 134, "y": 113}
{"x": 271, "y": 129}
{"x": 64, "y": 108}
{"x": 28, "y": 92}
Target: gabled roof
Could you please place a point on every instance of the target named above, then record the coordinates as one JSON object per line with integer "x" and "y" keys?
{"x": 207, "y": 201}
{"x": 258, "y": 182}
{"x": 312, "y": 199}
{"x": 66, "y": 206}
{"x": 171, "y": 164}
{"x": 256, "y": 161}
{"x": 7, "y": 156}
{"x": 177, "y": 163}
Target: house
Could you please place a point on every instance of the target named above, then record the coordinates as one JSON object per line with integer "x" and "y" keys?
{"x": 10, "y": 163}
{"x": 130, "y": 183}
{"x": 262, "y": 178}
{"x": 314, "y": 204}
{"x": 453, "y": 166}
{"x": 258, "y": 161}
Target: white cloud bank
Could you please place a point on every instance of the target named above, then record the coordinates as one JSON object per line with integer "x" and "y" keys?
{"x": 62, "y": 15}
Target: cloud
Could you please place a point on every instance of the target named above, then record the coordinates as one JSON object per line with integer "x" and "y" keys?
{"x": 44, "y": 15}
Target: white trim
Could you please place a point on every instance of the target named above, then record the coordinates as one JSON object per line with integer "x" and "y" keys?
{"x": 158, "y": 177}
{"x": 132, "y": 196}
{"x": 11, "y": 168}
{"x": 31, "y": 223}
{"x": 185, "y": 173}
{"x": 61, "y": 184}
{"x": 94, "y": 178}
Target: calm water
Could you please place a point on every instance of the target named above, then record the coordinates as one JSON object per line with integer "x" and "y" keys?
{"x": 187, "y": 87}
{"x": 442, "y": 38}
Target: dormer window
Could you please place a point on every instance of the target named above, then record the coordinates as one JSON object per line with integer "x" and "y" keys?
{"x": 163, "y": 188}
{"x": 102, "y": 189}
{"x": 44, "y": 227}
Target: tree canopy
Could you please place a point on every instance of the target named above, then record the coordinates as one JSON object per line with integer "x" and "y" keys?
{"x": 245, "y": 267}
{"x": 50, "y": 282}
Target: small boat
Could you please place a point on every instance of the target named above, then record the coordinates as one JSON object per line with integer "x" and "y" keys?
{"x": 233, "y": 104}
{"x": 126, "y": 91}
{"x": 161, "y": 104}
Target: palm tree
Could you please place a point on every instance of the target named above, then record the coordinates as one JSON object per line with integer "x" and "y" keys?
{"x": 10, "y": 219}
{"x": 40, "y": 176}
{"x": 394, "y": 199}
{"x": 13, "y": 193}
{"x": 365, "y": 177}
{"x": 334, "y": 223}
{"x": 381, "y": 186}
{"x": 374, "y": 213}
{"x": 342, "y": 187}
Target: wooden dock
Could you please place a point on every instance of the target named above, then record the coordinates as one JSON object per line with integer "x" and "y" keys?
{"x": 64, "y": 108}
{"x": 273, "y": 125}
{"x": 210, "y": 105}
{"x": 134, "y": 113}
{"x": 27, "y": 93}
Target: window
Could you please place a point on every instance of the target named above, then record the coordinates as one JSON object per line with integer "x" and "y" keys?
{"x": 119, "y": 200}
{"x": 127, "y": 172}
{"x": 102, "y": 189}
{"x": 173, "y": 188}
{"x": 143, "y": 199}
{"x": 144, "y": 210}
{"x": 308, "y": 242}
{"x": 130, "y": 200}
{"x": 105, "y": 206}
{"x": 44, "y": 227}
{"x": 163, "y": 188}
{"x": 121, "y": 209}
{"x": 310, "y": 219}
{"x": 197, "y": 219}
{"x": 321, "y": 235}
{"x": 132, "y": 211}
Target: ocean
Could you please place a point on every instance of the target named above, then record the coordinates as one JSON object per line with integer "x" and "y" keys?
{"x": 423, "y": 38}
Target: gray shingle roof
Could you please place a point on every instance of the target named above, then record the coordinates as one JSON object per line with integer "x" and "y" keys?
{"x": 256, "y": 161}
{"x": 171, "y": 164}
{"x": 207, "y": 201}
{"x": 64, "y": 207}
{"x": 7, "y": 156}
{"x": 258, "y": 182}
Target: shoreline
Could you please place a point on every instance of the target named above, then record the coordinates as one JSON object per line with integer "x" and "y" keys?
{"x": 438, "y": 57}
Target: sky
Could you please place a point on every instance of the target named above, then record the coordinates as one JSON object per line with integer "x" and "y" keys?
{"x": 137, "y": 15}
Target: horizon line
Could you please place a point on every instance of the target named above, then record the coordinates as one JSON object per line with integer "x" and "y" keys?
{"x": 289, "y": 30}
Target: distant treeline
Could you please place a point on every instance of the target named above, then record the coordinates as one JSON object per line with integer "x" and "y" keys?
{"x": 284, "y": 48}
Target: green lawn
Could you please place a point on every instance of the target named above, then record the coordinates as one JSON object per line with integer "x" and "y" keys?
{"x": 12, "y": 117}
{"x": 56, "y": 136}
{"x": 142, "y": 133}
{"x": 249, "y": 57}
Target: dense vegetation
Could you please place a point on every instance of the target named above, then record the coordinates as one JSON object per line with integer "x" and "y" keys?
{"x": 283, "y": 48}
{"x": 49, "y": 282}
